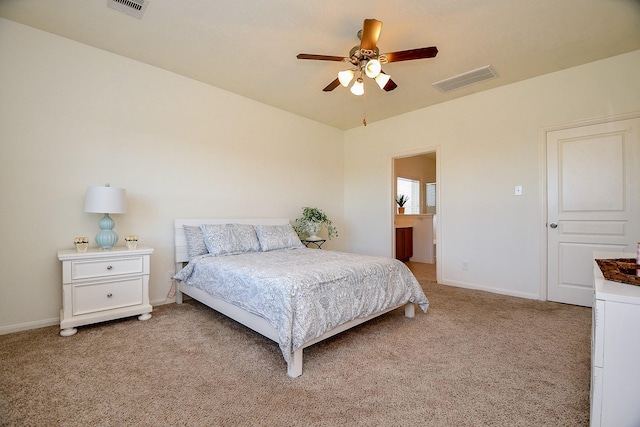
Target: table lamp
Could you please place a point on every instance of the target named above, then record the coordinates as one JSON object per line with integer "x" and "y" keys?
{"x": 106, "y": 200}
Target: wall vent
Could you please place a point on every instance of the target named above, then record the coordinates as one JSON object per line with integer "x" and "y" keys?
{"x": 134, "y": 8}
{"x": 466, "y": 79}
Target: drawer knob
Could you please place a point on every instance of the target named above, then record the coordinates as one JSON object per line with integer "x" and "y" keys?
{"x": 109, "y": 295}
{"x": 109, "y": 267}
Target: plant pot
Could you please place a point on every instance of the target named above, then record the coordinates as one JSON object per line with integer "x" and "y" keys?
{"x": 81, "y": 244}
{"x": 312, "y": 229}
{"x": 132, "y": 241}
{"x": 401, "y": 211}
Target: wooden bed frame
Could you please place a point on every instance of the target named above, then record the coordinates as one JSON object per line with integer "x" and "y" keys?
{"x": 250, "y": 320}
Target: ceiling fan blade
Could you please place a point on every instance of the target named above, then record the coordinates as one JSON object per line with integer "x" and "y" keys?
{"x": 408, "y": 55}
{"x": 320, "y": 57}
{"x": 331, "y": 86}
{"x": 370, "y": 33}
{"x": 391, "y": 85}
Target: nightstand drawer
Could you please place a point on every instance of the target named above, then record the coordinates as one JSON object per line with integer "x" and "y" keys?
{"x": 89, "y": 298}
{"x": 91, "y": 269}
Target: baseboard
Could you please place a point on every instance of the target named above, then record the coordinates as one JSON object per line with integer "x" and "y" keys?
{"x": 56, "y": 321}
{"x": 489, "y": 289}
{"x": 29, "y": 325}
{"x": 422, "y": 260}
{"x": 162, "y": 301}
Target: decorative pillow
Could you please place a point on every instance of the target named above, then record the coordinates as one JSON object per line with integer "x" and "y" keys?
{"x": 195, "y": 241}
{"x": 274, "y": 237}
{"x": 230, "y": 239}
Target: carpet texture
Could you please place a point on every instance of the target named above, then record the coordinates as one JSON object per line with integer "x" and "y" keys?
{"x": 475, "y": 359}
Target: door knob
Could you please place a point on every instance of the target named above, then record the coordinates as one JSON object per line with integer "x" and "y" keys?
{"x": 553, "y": 225}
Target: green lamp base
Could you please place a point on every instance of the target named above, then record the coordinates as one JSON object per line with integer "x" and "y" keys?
{"x": 106, "y": 238}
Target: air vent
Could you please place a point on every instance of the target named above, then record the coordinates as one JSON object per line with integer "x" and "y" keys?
{"x": 134, "y": 8}
{"x": 466, "y": 79}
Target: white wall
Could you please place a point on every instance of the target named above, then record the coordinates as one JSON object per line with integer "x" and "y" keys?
{"x": 489, "y": 143}
{"x": 72, "y": 116}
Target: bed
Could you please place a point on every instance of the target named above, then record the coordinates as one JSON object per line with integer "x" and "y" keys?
{"x": 258, "y": 273}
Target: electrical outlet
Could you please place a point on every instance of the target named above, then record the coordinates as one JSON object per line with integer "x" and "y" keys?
{"x": 518, "y": 190}
{"x": 465, "y": 265}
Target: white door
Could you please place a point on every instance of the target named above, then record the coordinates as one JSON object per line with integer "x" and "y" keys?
{"x": 593, "y": 189}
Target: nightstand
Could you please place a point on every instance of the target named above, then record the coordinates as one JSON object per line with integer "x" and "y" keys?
{"x": 100, "y": 285}
{"x": 317, "y": 243}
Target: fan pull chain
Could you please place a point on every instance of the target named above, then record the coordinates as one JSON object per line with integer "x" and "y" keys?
{"x": 364, "y": 108}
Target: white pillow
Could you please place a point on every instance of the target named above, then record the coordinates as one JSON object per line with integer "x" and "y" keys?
{"x": 274, "y": 237}
{"x": 195, "y": 241}
{"x": 229, "y": 239}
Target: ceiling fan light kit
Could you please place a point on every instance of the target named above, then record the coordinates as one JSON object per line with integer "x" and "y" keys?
{"x": 382, "y": 80}
{"x": 367, "y": 60}
{"x": 345, "y": 77}
{"x": 358, "y": 87}
{"x": 373, "y": 68}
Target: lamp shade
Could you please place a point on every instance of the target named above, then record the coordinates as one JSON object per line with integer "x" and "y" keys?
{"x": 382, "y": 79}
{"x": 373, "y": 68}
{"x": 345, "y": 77}
{"x": 105, "y": 199}
{"x": 358, "y": 87}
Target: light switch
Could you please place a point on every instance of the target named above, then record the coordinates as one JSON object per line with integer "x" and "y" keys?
{"x": 518, "y": 190}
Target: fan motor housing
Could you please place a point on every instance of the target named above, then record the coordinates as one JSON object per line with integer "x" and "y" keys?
{"x": 356, "y": 54}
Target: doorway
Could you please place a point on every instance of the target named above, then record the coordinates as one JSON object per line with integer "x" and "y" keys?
{"x": 416, "y": 176}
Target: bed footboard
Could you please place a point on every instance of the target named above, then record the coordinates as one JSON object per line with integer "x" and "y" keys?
{"x": 294, "y": 366}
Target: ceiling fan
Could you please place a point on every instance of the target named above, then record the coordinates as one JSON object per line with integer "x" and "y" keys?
{"x": 366, "y": 59}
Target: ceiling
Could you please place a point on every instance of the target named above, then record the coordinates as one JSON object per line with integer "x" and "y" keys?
{"x": 250, "y": 47}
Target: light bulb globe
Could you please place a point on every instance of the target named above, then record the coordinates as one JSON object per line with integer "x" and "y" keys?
{"x": 382, "y": 79}
{"x": 373, "y": 68}
{"x": 345, "y": 77}
{"x": 358, "y": 87}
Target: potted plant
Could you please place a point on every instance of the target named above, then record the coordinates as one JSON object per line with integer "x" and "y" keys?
{"x": 309, "y": 225}
{"x": 402, "y": 200}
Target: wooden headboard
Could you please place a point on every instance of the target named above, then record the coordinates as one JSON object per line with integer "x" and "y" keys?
{"x": 180, "y": 239}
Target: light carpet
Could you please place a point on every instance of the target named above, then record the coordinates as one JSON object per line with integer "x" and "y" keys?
{"x": 475, "y": 359}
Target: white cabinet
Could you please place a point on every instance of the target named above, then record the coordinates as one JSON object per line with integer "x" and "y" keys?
{"x": 615, "y": 348}
{"x": 423, "y": 239}
{"x": 100, "y": 285}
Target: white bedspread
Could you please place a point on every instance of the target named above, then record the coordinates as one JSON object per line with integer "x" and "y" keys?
{"x": 305, "y": 292}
